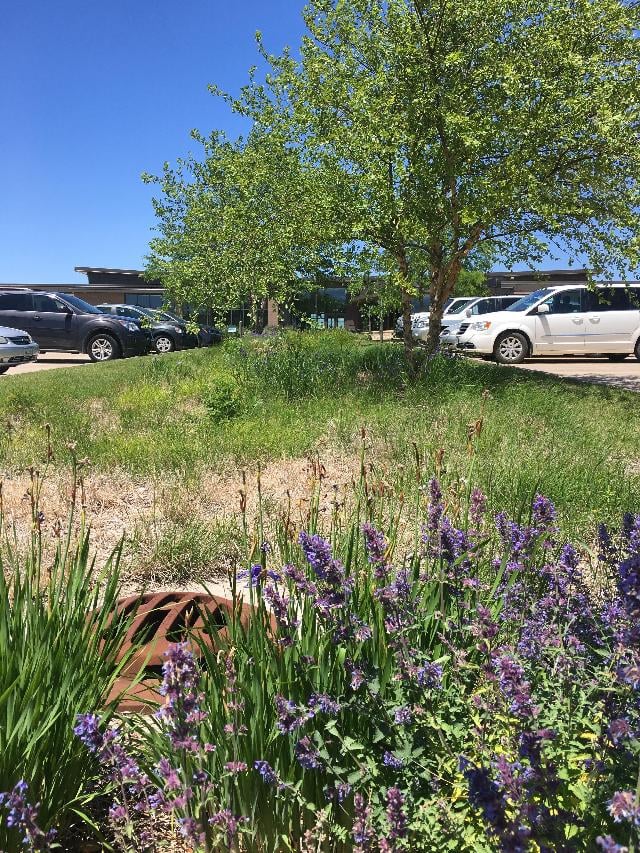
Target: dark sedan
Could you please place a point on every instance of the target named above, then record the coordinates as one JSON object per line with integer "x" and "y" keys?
{"x": 167, "y": 334}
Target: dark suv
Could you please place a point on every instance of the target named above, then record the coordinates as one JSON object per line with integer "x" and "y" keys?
{"x": 61, "y": 322}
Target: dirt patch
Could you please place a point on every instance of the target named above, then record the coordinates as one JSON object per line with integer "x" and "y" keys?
{"x": 174, "y": 532}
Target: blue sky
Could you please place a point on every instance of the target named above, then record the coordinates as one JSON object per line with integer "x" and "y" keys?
{"x": 94, "y": 93}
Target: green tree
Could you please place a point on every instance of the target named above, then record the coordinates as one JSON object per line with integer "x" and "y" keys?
{"x": 240, "y": 224}
{"x": 440, "y": 127}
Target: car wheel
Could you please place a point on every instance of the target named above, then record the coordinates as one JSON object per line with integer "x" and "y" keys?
{"x": 617, "y": 356}
{"x": 511, "y": 348}
{"x": 163, "y": 343}
{"x": 103, "y": 347}
{"x": 637, "y": 350}
{"x": 3, "y": 370}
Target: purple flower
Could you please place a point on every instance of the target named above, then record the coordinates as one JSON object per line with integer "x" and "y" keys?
{"x": 337, "y": 793}
{"x": 307, "y": 755}
{"x": 514, "y": 686}
{"x": 169, "y": 774}
{"x": 87, "y": 728}
{"x": 390, "y": 760}
{"x": 395, "y": 814}
{"x": 117, "y": 814}
{"x": 228, "y": 824}
{"x": 477, "y": 507}
{"x": 608, "y": 845}
{"x": 235, "y": 767}
{"x": 403, "y": 716}
{"x": 180, "y": 684}
{"x": 289, "y": 717}
{"x": 624, "y": 806}
{"x": 267, "y": 772}
{"x": 363, "y": 835}
{"x": 279, "y": 605}
{"x": 375, "y": 543}
{"x": 324, "y": 703}
{"x": 618, "y": 730}
{"x": 430, "y": 675}
{"x": 23, "y": 817}
{"x": 543, "y": 514}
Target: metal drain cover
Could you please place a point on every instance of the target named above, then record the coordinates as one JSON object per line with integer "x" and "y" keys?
{"x": 162, "y": 619}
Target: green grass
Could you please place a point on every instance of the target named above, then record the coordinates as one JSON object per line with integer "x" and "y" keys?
{"x": 248, "y": 402}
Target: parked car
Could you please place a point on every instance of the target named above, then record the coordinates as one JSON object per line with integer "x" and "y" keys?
{"x": 456, "y": 324}
{"x": 167, "y": 335}
{"x": 563, "y": 320}
{"x": 60, "y": 322}
{"x": 207, "y": 335}
{"x": 420, "y": 319}
{"x": 16, "y": 347}
{"x": 453, "y": 312}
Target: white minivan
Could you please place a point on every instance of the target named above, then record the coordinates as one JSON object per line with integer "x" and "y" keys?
{"x": 565, "y": 320}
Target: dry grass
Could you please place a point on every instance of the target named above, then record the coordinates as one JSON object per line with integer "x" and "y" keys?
{"x": 175, "y": 533}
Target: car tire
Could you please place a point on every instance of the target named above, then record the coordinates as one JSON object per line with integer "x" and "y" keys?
{"x": 3, "y": 370}
{"x": 163, "y": 344}
{"x": 617, "y": 356}
{"x": 637, "y": 349}
{"x": 103, "y": 347}
{"x": 511, "y": 348}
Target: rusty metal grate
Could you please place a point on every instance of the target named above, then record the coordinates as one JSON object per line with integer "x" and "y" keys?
{"x": 162, "y": 619}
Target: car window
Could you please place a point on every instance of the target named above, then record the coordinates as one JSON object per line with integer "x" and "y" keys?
{"x": 614, "y": 299}
{"x": 16, "y": 302}
{"x": 48, "y": 304}
{"x": 480, "y": 307}
{"x": 565, "y": 302}
{"x": 530, "y": 299}
{"x": 457, "y": 308}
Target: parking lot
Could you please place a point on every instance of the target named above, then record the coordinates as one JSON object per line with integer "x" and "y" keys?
{"x": 625, "y": 374}
{"x": 50, "y": 361}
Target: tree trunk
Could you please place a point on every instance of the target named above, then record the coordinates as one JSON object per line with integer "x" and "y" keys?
{"x": 442, "y": 283}
{"x": 407, "y": 331}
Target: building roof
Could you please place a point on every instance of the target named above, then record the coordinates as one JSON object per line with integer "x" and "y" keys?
{"x": 108, "y": 270}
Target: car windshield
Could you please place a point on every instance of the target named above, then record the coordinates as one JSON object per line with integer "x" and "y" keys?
{"x": 457, "y": 307}
{"x": 80, "y": 304}
{"x": 167, "y": 315}
{"x": 530, "y": 299}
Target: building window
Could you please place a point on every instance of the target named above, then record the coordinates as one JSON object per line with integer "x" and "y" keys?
{"x": 144, "y": 300}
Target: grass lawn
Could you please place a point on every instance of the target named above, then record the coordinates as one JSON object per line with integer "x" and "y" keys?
{"x": 245, "y": 403}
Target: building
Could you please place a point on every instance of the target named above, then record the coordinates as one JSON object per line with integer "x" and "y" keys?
{"x": 331, "y": 306}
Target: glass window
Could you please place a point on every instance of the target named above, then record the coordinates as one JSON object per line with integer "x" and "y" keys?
{"x": 530, "y": 299}
{"x": 16, "y": 302}
{"x": 48, "y": 304}
{"x": 565, "y": 302}
{"x": 80, "y": 305}
{"x": 144, "y": 300}
{"x": 612, "y": 299}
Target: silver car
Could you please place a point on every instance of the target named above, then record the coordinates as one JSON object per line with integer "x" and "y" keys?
{"x": 16, "y": 347}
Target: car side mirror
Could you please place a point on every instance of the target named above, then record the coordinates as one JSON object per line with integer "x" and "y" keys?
{"x": 543, "y": 309}
{"x": 467, "y": 312}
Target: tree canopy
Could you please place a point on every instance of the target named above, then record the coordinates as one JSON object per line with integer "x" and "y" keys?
{"x": 431, "y": 130}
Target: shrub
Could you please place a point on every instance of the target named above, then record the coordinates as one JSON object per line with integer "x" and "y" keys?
{"x": 480, "y": 694}
{"x": 225, "y": 399}
{"x": 310, "y": 364}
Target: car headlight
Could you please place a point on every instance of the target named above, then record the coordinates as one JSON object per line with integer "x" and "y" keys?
{"x": 131, "y": 327}
{"x": 481, "y": 326}
{"x": 4, "y": 340}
